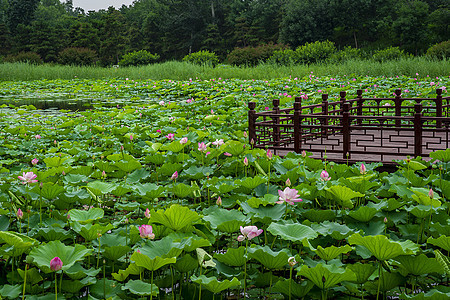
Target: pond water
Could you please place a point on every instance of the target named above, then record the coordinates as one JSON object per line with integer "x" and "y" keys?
{"x": 46, "y": 103}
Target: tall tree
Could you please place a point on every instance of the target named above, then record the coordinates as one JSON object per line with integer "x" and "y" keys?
{"x": 21, "y": 12}
{"x": 113, "y": 37}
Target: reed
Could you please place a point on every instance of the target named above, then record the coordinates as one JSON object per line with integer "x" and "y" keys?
{"x": 183, "y": 71}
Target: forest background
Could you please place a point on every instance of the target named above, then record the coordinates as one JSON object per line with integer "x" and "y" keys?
{"x": 175, "y": 28}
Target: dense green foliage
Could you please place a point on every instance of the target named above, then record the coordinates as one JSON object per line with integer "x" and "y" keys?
{"x": 441, "y": 50}
{"x": 174, "y": 29}
{"x": 201, "y": 58}
{"x": 77, "y": 56}
{"x": 174, "y": 147}
{"x": 138, "y": 58}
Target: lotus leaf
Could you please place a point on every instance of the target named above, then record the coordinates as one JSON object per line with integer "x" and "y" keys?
{"x": 86, "y": 216}
{"x": 213, "y": 285}
{"x": 265, "y": 214}
{"x": 362, "y": 271}
{"x": 186, "y": 263}
{"x": 270, "y": 259}
{"x": 91, "y": 231}
{"x": 442, "y": 155}
{"x": 168, "y": 169}
{"x": 297, "y": 290}
{"x": 33, "y": 275}
{"x": 363, "y": 214}
{"x": 388, "y": 282}
{"x": 189, "y": 242}
{"x": 11, "y": 291}
{"x": 383, "y": 248}
{"x": 176, "y": 217}
{"x": 431, "y": 295}
{"x": 99, "y": 188}
{"x": 20, "y": 243}
{"x": 129, "y": 165}
{"x": 77, "y": 272}
{"x": 105, "y": 289}
{"x": 326, "y": 276}
{"x": 49, "y": 190}
{"x": 149, "y": 190}
{"x": 225, "y": 220}
{"x": 419, "y": 265}
{"x": 442, "y": 242}
{"x": 140, "y": 288}
{"x": 151, "y": 264}
{"x": 43, "y": 254}
{"x": 332, "y": 252}
{"x": 53, "y": 233}
{"x": 74, "y": 286}
{"x": 165, "y": 247}
{"x": 292, "y": 232}
{"x": 343, "y": 195}
{"x": 233, "y": 257}
{"x": 181, "y": 190}
{"x": 250, "y": 182}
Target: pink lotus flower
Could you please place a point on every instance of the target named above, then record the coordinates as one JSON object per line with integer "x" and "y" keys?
{"x": 245, "y": 161}
{"x": 28, "y": 177}
{"x": 219, "y": 201}
{"x": 431, "y": 193}
{"x": 56, "y": 264}
{"x": 218, "y": 143}
{"x": 146, "y": 232}
{"x": 34, "y": 161}
{"x": 37, "y": 136}
{"x": 174, "y": 175}
{"x": 161, "y": 103}
{"x": 19, "y": 214}
{"x": 269, "y": 154}
{"x": 202, "y": 147}
{"x": 227, "y": 154}
{"x": 131, "y": 137}
{"x": 249, "y": 232}
{"x": 289, "y": 196}
{"x": 147, "y": 213}
{"x": 170, "y": 136}
{"x": 158, "y": 130}
{"x": 362, "y": 169}
{"x": 303, "y": 153}
{"x": 183, "y": 140}
{"x": 325, "y": 176}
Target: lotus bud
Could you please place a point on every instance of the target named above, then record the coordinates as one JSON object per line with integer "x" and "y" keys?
{"x": 131, "y": 137}
{"x": 103, "y": 174}
{"x": 303, "y": 153}
{"x": 56, "y": 264}
{"x": 324, "y": 175}
{"x": 174, "y": 175}
{"x": 245, "y": 161}
{"x": 288, "y": 182}
{"x": 245, "y": 134}
{"x": 19, "y": 214}
{"x": 385, "y": 220}
{"x": 146, "y": 232}
{"x": 269, "y": 154}
{"x": 240, "y": 238}
{"x": 362, "y": 169}
{"x": 431, "y": 193}
{"x": 292, "y": 262}
{"x": 219, "y": 201}
{"x": 34, "y": 161}
{"x": 147, "y": 213}
{"x": 183, "y": 140}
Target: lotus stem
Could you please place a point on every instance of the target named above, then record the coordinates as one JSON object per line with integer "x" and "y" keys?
{"x": 24, "y": 281}
{"x": 56, "y": 288}
{"x": 245, "y": 267}
{"x": 290, "y": 283}
{"x": 151, "y": 287}
{"x": 379, "y": 279}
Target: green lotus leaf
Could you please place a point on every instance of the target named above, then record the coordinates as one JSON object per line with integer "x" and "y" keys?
{"x": 176, "y": 217}
{"x": 43, "y": 254}
{"x": 77, "y": 272}
{"x": 105, "y": 289}
{"x": 388, "y": 282}
{"x": 99, "y": 188}
{"x": 168, "y": 169}
{"x": 442, "y": 242}
{"x": 129, "y": 206}
{"x": 234, "y": 147}
{"x": 186, "y": 263}
{"x": 56, "y": 161}
{"x": 443, "y": 261}
{"x": 265, "y": 214}
{"x": 213, "y": 285}
{"x": 157, "y": 159}
{"x": 343, "y": 195}
{"x": 120, "y": 191}
{"x": 363, "y": 213}
{"x": 223, "y": 187}
{"x": 149, "y": 190}
{"x": 359, "y": 184}
{"x": 362, "y": 271}
{"x": 132, "y": 269}
{"x": 11, "y": 291}
{"x": 20, "y": 243}
{"x": 174, "y": 146}
{"x": 421, "y": 196}
{"x": 166, "y": 247}
{"x": 53, "y": 233}
{"x": 86, "y": 216}
{"x": 383, "y": 248}
{"x": 140, "y": 288}
{"x": 105, "y": 166}
{"x": 204, "y": 258}
{"x": 298, "y": 291}
{"x": 419, "y": 265}
{"x": 250, "y": 182}
{"x": 195, "y": 172}
{"x": 49, "y": 190}
{"x": 120, "y": 156}
{"x": 151, "y": 264}
{"x": 89, "y": 231}
{"x": 430, "y": 295}
{"x": 270, "y": 259}
{"x": 292, "y": 232}
{"x": 326, "y": 276}
{"x": 120, "y": 131}
{"x": 189, "y": 242}
{"x": 228, "y": 221}
{"x": 116, "y": 252}
{"x": 332, "y": 252}
{"x": 74, "y": 178}
{"x": 129, "y": 165}
{"x": 233, "y": 257}
{"x": 33, "y": 275}
{"x": 420, "y": 211}
{"x": 74, "y": 286}
{"x": 442, "y": 155}
{"x": 181, "y": 190}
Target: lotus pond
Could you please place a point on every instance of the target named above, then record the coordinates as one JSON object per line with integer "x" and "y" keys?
{"x": 154, "y": 192}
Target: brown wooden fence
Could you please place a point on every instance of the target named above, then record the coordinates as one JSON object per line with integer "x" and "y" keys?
{"x": 359, "y": 129}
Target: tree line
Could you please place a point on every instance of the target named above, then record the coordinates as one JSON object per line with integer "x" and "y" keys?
{"x": 175, "y": 28}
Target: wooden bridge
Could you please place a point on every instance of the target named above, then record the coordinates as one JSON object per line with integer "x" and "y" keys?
{"x": 360, "y": 129}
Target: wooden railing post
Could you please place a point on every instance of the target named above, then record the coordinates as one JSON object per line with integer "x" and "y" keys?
{"x": 398, "y": 106}
{"x": 418, "y": 129}
{"x": 251, "y": 124}
{"x": 297, "y": 127}
{"x": 342, "y": 94}
{"x": 359, "y": 101}
{"x": 276, "y": 121}
{"x": 438, "y": 107}
{"x": 324, "y": 121}
{"x": 346, "y": 147}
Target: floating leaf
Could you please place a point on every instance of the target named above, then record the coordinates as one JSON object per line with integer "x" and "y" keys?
{"x": 176, "y": 217}
{"x": 213, "y": 285}
{"x": 140, "y": 288}
{"x": 86, "y": 216}
{"x": 224, "y": 220}
{"x": 250, "y": 182}
{"x": 292, "y": 232}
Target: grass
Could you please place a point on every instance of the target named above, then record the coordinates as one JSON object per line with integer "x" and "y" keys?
{"x": 183, "y": 71}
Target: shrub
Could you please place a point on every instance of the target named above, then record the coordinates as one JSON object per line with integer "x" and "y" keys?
{"x": 285, "y": 57}
{"x": 347, "y": 54}
{"x": 28, "y": 57}
{"x": 391, "y": 53}
{"x": 315, "y": 52}
{"x": 441, "y": 50}
{"x": 77, "y": 56}
{"x": 138, "y": 58}
{"x": 251, "y": 56}
{"x": 202, "y": 58}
